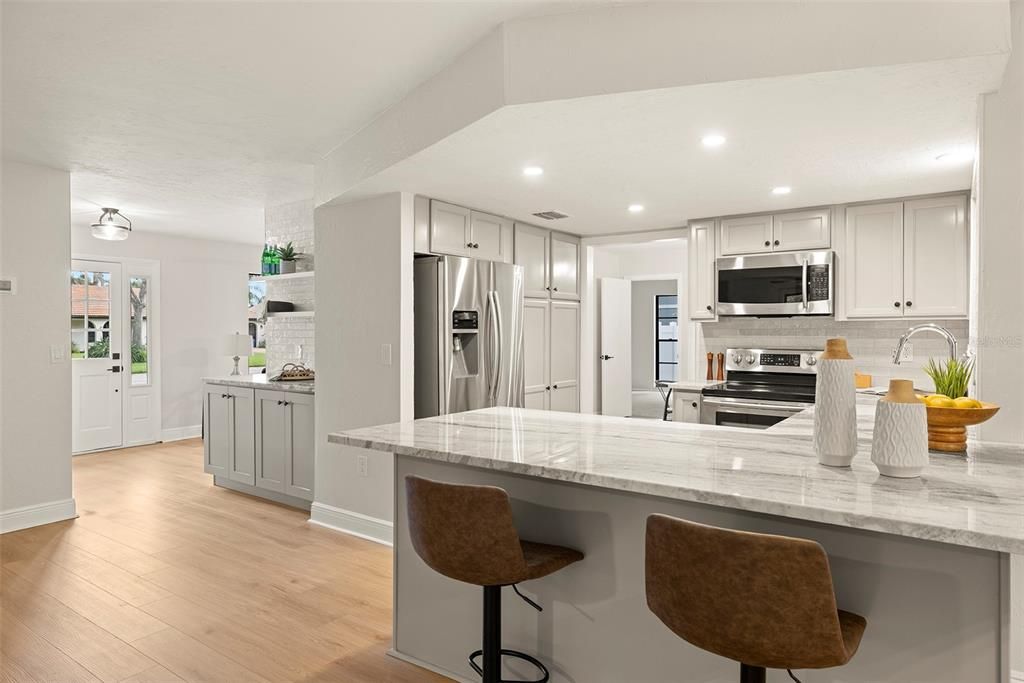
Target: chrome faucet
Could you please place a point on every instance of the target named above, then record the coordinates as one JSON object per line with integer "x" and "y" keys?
{"x": 926, "y": 327}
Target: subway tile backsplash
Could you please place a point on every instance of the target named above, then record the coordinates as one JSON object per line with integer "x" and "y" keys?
{"x": 870, "y": 342}
{"x": 291, "y": 340}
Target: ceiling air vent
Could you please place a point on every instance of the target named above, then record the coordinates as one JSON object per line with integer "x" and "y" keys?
{"x": 6, "y": 286}
{"x": 551, "y": 215}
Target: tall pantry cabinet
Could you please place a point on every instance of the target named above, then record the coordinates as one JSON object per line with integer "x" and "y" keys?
{"x": 551, "y": 321}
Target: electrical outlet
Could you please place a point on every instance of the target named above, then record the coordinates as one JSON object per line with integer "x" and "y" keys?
{"x": 907, "y": 355}
{"x": 363, "y": 465}
{"x": 385, "y": 354}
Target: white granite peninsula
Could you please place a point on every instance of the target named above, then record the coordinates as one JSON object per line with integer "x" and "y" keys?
{"x": 925, "y": 560}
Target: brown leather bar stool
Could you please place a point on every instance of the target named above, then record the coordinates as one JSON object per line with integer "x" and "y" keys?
{"x": 764, "y": 601}
{"x": 466, "y": 533}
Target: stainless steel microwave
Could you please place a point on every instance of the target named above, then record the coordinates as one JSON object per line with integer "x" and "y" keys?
{"x": 785, "y": 284}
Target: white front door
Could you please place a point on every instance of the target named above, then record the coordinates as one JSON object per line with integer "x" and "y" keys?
{"x": 616, "y": 349}
{"x": 97, "y": 306}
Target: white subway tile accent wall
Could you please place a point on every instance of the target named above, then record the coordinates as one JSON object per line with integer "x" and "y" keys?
{"x": 291, "y": 340}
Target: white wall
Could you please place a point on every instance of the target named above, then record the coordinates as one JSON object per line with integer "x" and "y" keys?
{"x": 1000, "y": 304}
{"x": 203, "y": 298}
{"x": 364, "y": 300}
{"x": 642, "y": 336}
{"x": 35, "y": 394}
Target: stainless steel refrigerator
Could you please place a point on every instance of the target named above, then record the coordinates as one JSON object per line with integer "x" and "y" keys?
{"x": 469, "y": 335}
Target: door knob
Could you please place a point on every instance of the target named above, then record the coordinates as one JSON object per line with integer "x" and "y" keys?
{"x": 605, "y": 356}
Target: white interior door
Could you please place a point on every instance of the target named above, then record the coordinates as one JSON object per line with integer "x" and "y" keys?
{"x": 97, "y": 306}
{"x": 615, "y": 347}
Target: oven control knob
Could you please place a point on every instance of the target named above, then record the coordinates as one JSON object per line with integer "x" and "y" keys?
{"x": 737, "y": 358}
{"x": 750, "y": 359}
{"x": 811, "y": 360}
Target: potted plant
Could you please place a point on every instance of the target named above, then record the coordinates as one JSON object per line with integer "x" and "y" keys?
{"x": 950, "y": 410}
{"x": 288, "y": 257}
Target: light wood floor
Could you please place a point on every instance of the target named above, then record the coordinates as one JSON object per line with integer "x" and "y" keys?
{"x": 165, "y": 577}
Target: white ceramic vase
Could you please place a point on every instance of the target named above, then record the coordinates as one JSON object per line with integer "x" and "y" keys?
{"x": 899, "y": 446}
{"x": 835, "y": 413}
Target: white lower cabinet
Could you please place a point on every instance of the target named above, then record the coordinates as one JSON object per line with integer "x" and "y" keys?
{"x": 551, "y": 349}
{"x": 263, "y": 438}
{"x": 686, "y": 406}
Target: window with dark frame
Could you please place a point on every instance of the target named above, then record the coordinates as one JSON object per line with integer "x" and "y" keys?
{"x": 666, "y": 337}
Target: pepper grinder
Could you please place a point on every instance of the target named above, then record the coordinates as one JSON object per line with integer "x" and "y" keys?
{"x": 721, "y": 367}
{"x": 711, "y": 366}
{"x": 835, "y": 406}
{"x": 899, "y": 445}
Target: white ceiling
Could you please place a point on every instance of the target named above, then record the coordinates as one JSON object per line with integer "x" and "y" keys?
{"x": 191, "y": 117}
{"x": 833, "y": 137}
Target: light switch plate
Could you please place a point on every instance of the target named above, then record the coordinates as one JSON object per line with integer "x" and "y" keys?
{"x": 363, "y": 465}
{"x": 58, "y": 353}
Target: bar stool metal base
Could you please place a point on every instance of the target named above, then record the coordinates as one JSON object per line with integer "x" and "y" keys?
{"x": 752, "y": 674}
{"x": 492, "y": 651}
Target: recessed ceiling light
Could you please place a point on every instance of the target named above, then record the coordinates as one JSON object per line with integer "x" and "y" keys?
{"x": 713, "y": 140}
{"x": 636, "y": 208}
{"x": 782, "y": 189}
{"x": 533, "y": 171}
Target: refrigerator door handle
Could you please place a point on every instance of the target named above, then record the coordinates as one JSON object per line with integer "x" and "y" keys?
{"x": 495, "y": 320}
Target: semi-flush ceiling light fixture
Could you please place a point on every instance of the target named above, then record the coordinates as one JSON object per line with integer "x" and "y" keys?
{"x": 636, "y": 208}
{"x": 782, "y": 189}
{"x": 108, "y": 226}
{"x": 533, "y": 171}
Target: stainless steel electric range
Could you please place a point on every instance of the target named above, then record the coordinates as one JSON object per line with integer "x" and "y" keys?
{"x": 762, "y": 387}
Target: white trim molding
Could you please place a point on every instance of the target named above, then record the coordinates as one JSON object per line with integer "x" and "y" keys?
{"x": 179, "y": 433}
{"x": 352, "y": 523}
{"x": 37, "y": 515}
{"x": 1017, "y": 676}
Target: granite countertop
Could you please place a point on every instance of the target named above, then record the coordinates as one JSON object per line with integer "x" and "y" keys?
{"x": 261, "y": 382}
{"x": 977, "y": 501}
{"x": 695, "y": 384}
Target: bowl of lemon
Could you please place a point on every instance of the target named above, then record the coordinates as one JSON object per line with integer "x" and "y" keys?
{"x": 950, "y": 410}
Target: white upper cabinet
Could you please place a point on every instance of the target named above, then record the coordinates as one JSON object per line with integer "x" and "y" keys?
{"x": 565, "y": 266}
{"x": 701, "y": 273}
{"x": 449, "y": 229}
{"x": 935, "y": 257}
{"x": 459, "y": 231}
{"x": 746, "y": 235}
{"x": 532, "y": 252}
{"x": 490, "y": 237}
{"x": 801, "y": 230}
{"x": 907, "y": 259}
{"x": 873, "y": 261}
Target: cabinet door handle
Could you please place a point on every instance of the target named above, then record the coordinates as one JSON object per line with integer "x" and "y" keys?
{"x": 896, "y": 304}
{"x": 547, "y": 388}
{"x": 279, "y": 402}
{"x": 709, "y": 307}
{"x": 776, "y": 243}
{"x": 554, "y": 289}
{"x": 694, "y": 404}
{"x": 767, "y": 243}
{"x": 286, "y": 403}
{"x": 554, "y": 386}
{"x": 909, "y": 304}
{"x": 469, "y": 245}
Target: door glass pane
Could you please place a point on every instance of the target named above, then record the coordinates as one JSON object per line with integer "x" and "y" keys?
{"x": 78, "y": 314}
{"x": 667, "y": 329}
{"x": 667, "y": 352}
{"x": 666, "y": 306}
{"x": 138, "y": 302}
{"x": 667, "y": 372}
{"x": 98, "y": 310}
{"x": 258, "y": 359}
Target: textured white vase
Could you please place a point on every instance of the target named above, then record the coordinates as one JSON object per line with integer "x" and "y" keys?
{"x": 835, "y": 413}
{"x": 899, "y": 446}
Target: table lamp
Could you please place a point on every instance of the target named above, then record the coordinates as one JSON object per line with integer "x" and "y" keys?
{"x": 238, "y": 345}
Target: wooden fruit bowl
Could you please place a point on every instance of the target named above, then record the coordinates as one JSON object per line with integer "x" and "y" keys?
{"x": 947, "y": 427}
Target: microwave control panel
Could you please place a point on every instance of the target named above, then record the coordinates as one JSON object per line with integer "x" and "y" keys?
{"x": 817, "y": 283}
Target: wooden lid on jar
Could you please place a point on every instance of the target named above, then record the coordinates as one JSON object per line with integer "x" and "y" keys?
{"x": 901, "y": 391}
{"x": 835, "y": 349}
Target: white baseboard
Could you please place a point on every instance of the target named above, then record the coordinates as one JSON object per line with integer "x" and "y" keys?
{"x": 179, "y": 433}
{"x": 37, "y": 515}
{"x": 353, "y": 523}
{"x": 1017, "y": 676}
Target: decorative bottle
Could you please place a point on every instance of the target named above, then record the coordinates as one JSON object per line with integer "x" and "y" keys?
{"x": 265, "y": 260}
{"x": 899, "y": 445}
{"x": 835, "y": 406}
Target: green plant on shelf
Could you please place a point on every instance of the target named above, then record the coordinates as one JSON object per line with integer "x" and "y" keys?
{"x": 952, "y": 377}
{"x": 287, "y": 252}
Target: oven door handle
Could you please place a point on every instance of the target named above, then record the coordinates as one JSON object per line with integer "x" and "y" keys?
{"x": 791, "y": 407}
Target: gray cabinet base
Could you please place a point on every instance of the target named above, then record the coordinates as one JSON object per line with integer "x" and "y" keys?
{"x": 282, "y": 498}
